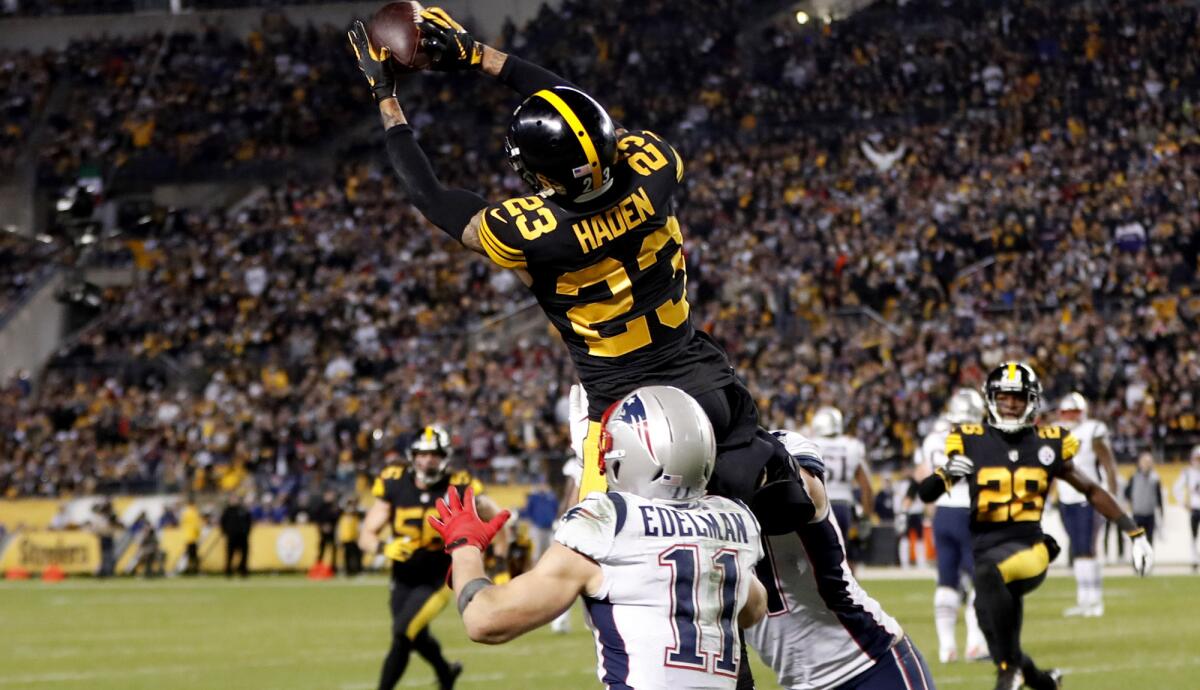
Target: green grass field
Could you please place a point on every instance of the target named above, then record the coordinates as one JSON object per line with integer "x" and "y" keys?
{"x": 288, "y": 633}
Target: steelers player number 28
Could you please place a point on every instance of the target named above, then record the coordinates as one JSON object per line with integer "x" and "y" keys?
{"x": 1016, "y": 495}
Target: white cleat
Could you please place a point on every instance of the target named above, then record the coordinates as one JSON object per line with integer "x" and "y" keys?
{"x": 979, "y": 653}
{"x": 1094, "y": 611}
{"x": 1076, "y": 611}
{"x": 948, "y": 655}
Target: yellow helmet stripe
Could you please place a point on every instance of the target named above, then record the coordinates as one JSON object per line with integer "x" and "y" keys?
{"x": 1012, "y": 371}
{"x": 585, "y": 140}
{"x": 428, "y": 433}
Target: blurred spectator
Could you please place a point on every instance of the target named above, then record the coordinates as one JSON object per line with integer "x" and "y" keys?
{"x": 326, "y": 515}
{"x": 235, "y": 525}
{"x": 540, "y": 511}
{"x": 1144, "y": 493}
{"x": 347, "y": 535}
{"x": 104, "y": 524}
{"x": 192, "y": 524}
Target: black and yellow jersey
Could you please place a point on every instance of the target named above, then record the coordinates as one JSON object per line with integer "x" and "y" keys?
{"x": 1012, "y": 477}
{"x": 609, "y": 273}
{"x": 410, "y": 506}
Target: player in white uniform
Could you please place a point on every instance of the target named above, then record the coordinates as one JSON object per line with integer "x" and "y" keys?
{"x": 822, "y": 630}
{"x": 845, "y": 467}
{"x": 1095, "y": 461}
{"x": 1187, "y": 493}
{"x": 666, "y": 573}
{"x": 952, "y": 535}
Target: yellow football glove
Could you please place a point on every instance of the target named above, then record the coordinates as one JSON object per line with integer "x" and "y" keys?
{"x": 400, "y": 550}
{"x": 451, "y": 48}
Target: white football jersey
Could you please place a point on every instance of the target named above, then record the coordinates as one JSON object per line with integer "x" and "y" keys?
{"x": 821, "y": 628}
{"x": 1085, "y": 460}
{"x": 933, "y": 452}
{"x": 842, "y": 455}
{"x": 1189, "y": 484}
{"x": 676, "y": 575}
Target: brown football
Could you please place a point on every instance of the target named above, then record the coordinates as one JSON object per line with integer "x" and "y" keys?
{"x": 394, "y": 27}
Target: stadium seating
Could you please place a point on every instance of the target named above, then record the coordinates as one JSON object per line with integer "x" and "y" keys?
{"x": 877, "y": 210}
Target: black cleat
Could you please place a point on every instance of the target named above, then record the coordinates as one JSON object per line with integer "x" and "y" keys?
{"x": 1057, "y": 676}
{"x": 447, "y": 682}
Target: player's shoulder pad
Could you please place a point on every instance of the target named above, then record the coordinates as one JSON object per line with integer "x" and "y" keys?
{"x": 1070, "y": 446}
{"x": 1099, "y": 429}
{"x": 591, "y": 525}
{"x": 464, "y": 479}
{"x": 390, "y": 473}
{"x": 504, "y": 229}
{"x": 646, "y": 153}
{"x": 804, "y": 452}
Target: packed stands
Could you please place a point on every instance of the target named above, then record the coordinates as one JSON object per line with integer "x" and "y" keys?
{"x": 1039, "y": 199}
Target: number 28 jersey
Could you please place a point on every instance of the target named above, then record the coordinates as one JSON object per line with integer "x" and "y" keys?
{"x": 609, "y": 273}
{"x": 675, "y": 577}
{"x": 1012, "y": 477}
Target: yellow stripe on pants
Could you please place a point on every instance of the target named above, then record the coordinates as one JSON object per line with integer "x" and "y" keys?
{"x": 593, "y": 479}
{"x": 429, "y": 610}
{"x": 1025, "y": 564}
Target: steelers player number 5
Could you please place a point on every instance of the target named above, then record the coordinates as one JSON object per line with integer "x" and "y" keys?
{"x": 1017, "y": 495}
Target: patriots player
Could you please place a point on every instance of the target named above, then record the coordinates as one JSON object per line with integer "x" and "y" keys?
{"x": 845, "y": 469}
{"x": 1094, "y": 460}
{"x": 952, "y": 534}
{"x": 597, "y": 241}
{"x": 822, "y": 630}
{"x": 666, "y": 573}
{"x": 1187, "y": 493}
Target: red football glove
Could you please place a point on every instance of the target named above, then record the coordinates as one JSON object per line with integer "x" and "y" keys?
{"x": 460, "y": 525}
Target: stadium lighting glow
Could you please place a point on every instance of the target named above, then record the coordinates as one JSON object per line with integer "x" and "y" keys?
{"x": 801, "y": 17}
{"x": 828, "y": 18}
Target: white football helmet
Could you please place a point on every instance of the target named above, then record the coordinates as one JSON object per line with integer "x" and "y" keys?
{"x": 965, "y": 407}
{"x": 827, "y": 422}
{"x": 1073, "y": 402}
{"x": 657, "y": 442}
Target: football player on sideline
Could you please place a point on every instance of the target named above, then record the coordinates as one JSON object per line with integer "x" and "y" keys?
{"x": 952, "y": 534}
{"x": 1008, "y": 462}
{"x": 598, "y": 244}
{"x": 404, "y": 499}
{"x": 822, "y": 629}
{"x": 1095, "y": 461}
{"x": 1187, "y": 493}
{"x": 666, "y": 573}
{"x": 845, "y": 468}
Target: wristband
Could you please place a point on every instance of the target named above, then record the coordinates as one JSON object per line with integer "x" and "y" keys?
{"x": 1129, "y": 527}
{"x": 469, "y": 591}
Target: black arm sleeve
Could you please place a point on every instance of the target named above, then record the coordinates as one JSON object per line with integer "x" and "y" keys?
{"x": 931, "y": 488}
{"x": 449, "y": 209}
{"x": 526, "y": 78}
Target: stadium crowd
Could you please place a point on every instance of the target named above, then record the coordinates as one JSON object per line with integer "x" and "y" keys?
{"x": 170, "y": 103}
{"x": 848, "y": 242}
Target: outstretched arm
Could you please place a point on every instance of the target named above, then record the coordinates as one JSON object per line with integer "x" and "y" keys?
{"x": 1106, "y": 505}
{"x": 451, "y": 210}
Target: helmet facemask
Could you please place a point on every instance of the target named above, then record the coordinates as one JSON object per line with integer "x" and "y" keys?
{"x": 1019, "y": 380}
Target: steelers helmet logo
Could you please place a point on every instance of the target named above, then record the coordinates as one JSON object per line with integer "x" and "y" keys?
{"x": 1046, "y": 455}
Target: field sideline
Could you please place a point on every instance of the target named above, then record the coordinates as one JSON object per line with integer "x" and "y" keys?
{"x": 288, "y": 633}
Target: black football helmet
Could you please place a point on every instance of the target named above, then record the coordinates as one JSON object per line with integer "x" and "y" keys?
{"x": 1013, "y": 377}
{"x": 561, "y": 140}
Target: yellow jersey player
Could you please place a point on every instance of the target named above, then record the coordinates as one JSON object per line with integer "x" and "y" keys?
{"x": 1008, "y": 462}
{"x": 598, "y": 243}
{"x": 405, "y": 497}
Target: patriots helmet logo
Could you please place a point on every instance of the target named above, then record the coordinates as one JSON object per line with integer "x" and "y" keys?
{"x": 633, "y": 412}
